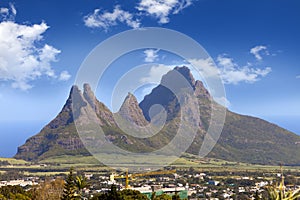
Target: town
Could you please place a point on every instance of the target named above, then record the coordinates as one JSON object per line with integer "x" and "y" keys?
{"x": 183, "y": 182}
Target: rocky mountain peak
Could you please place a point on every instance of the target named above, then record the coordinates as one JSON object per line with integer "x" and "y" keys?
{"x": 104, "y": 114}
{"x": 131, "y": 111}
{"x": 200, "y": 90}
{"x": 185, "y": 71}
{"x": 130, "y": 102}
{"x": 89, "y": 95}
{"x": 74, "y": 89}
{"x": 177, "y": 81}
{"x": 87, "y": 89}
{"x": 130, "y": 97}
{"x": 172, "y": 76}
{"x": 75, "y": 97}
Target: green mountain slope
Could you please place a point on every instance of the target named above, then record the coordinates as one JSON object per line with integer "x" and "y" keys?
{"x": 252, "y": 140}
{"x": 243, "y": 139}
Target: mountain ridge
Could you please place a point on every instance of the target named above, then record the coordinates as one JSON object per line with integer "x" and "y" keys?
{"x": 243, "y": 139}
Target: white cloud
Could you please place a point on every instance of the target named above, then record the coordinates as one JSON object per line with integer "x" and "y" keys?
{"x": 22, "y": 57}
{"x": 155, "y": 73}
{"x": 225, "y": 61}
{"x": 257, "y": 51}
{"x": 161, "y": 9}
{"x": 107, "y": 19}
{"x": 13, "y": 9}
{"x": 150, "y": 55}
{"x": 8, "y": 14}
{"x": 231, "y": 73}
{"x": 206, "y": 67}
{"x": 298, "y": 76}
{"x": 182, "y": 5}
{"x": 64, "y": 76}
{"x": 4, "y": 11}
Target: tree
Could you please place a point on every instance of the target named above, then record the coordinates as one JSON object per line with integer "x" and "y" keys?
{"x": 111, "y": 195}
{"x": 163, "y": 197}
{"x": 257, "y": 196}
{"x": 48, "y": 190}
{"x": 2, "y": 197}
{"x": 13, "y": 193}
{"x": 80, "y": 184}
{"x": 126, "y": 194}
{"x": 153, "y": 196}
{"x": 278, "y": 193}
{"x": 176, "y": 197}
{"x": 69, "y": 187}
{"x": 132, "y": 195}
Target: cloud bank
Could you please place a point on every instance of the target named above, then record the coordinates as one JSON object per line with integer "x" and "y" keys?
{"x": 22, "y": 57}
{"x": 232, "y": 73}
{"x": 161, "y": 10}
{"x": 229, "y": 71}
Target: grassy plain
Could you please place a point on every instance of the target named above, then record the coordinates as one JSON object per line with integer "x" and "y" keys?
{"x": 61, "y": 165}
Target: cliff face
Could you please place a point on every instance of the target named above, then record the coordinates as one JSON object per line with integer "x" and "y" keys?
{"x": 103, "y": 113}
{"x": 131, "y": 112}
{"x": 243, "y": 139}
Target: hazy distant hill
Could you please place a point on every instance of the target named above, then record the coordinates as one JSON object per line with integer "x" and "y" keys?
{"x": 243, "y": 139}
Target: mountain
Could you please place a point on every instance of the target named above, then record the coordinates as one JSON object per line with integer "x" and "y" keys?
{"x": 243, "y": 138}
{"x": 131, "y": 112}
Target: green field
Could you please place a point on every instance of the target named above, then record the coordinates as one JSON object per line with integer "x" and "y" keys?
{"x": 62, "y": 164}
{"x": 13, "y": 161}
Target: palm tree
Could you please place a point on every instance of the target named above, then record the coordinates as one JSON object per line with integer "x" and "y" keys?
{"x": 153, "y": 196}
{"x": 278, "y": 193}
{"x": 80, "y": 184}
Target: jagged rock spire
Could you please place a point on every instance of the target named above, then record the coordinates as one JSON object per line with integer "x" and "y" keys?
{"x": 89, "y": 95}
{"x": 200, "y": 90}
{"x": 131, "y": 111}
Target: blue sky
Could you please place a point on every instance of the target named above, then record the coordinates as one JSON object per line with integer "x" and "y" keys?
{"x": 255, "y": 45}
